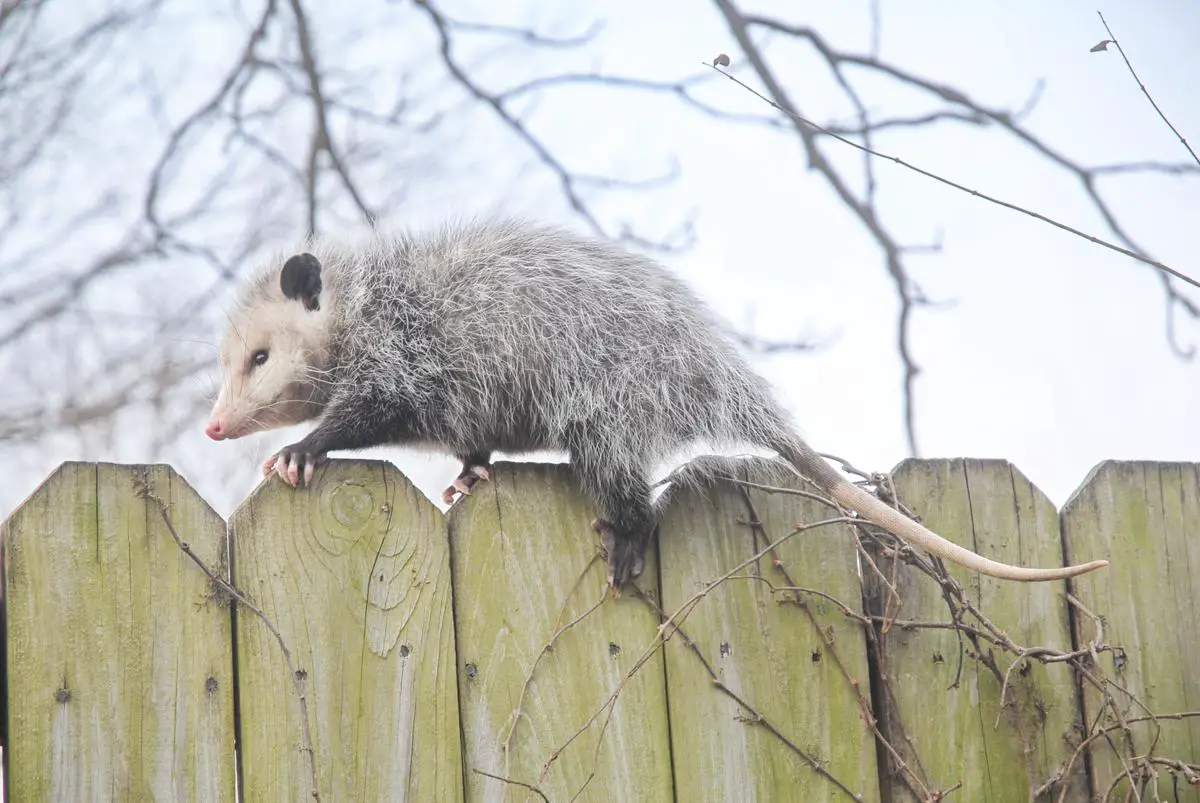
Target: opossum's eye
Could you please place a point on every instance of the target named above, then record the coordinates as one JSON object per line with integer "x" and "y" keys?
{"x": 258, "y": 358}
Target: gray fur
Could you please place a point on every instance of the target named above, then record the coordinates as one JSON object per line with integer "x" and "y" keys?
{"x": 508, "y": 336}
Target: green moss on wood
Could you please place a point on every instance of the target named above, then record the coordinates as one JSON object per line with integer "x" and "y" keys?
{"x": 1145, "y": 519}
{"x": 355, "y": 574}
{"x": 959, "y": 731}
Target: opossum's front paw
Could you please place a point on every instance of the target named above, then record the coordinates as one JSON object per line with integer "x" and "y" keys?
{"x": 465, "y": 481}
{"x": 626, "y": 556}
{"x": 294, "y": 464}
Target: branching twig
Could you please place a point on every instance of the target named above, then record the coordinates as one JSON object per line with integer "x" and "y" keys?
{"x": 863, "y": 209}
{"x": 754, "y": 715}
{"x": 512, "y": 782}
{"x": 565, "y": 178}
{"x": 324, "y": 138}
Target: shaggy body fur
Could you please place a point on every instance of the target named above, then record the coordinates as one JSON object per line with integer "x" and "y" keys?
{"x": 511, "y": 337}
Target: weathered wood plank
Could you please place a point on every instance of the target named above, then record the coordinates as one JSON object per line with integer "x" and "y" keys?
{"x": 120, "y": 669}
{"x": 802, "y": 666}
{"x": 523, "y": 568}
{"x": 992, "y": 508}
{"x": 355, "y": 574}
{"x": 1145, "y": 519}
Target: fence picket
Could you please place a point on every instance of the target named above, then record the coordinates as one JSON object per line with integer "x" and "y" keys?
{"x": 118, "y": 652}
{"x": 355, "y": 575}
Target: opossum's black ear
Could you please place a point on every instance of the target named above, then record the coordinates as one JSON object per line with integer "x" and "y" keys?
{"x": 301, "y": 279}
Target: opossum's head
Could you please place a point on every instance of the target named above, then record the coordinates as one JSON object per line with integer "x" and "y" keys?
{"x": 275, "y": 353}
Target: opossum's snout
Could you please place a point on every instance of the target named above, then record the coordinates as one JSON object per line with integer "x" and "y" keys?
{"x": 238, "y": 414}
{"x": 221, "y": 426}
{"x": 216, "y": 429}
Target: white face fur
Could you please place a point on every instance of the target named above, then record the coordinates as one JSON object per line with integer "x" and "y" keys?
{"x": 273, "y": 359}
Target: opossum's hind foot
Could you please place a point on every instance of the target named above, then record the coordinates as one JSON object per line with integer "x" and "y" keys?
{"x": 624, "y": 516}
{"x": 626, "y": 554}
{"x": 474, "y": 469}
{"x": 294, "y": 465}
{"x": 464, "y": 482}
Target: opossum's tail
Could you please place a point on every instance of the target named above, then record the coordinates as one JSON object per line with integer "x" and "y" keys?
{"x": 813, "y": 466}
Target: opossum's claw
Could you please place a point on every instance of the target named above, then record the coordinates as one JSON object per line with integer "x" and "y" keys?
{"x": 461, "y": 485}
{"x": 626, "y": 556}
{"x": 465, "y": 481}
{"x": 294, "y": 465}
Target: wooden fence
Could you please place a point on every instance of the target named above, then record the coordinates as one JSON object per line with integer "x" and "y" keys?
{"x": 382, "y": 651}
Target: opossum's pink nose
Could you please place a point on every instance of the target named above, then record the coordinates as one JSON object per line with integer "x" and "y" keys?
{"x": 216, "y": 430}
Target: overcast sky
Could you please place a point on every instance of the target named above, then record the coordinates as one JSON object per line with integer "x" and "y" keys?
{"x": 1050, "y": 351}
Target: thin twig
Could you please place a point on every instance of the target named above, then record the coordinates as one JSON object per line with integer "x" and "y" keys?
{"x": 864, "y": 209}
{"x": 755, "y": 717}
{"x": 1014, "y": 207}
{"x": 559, "y": 629}
{"x": 668, "y": 626}
{"x": 513, "y": 782}
{"x": 1112, "y": 38}
{"x": 910, "y": 776}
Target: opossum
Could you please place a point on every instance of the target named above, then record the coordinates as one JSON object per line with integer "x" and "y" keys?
{"x": 512, "y": 336}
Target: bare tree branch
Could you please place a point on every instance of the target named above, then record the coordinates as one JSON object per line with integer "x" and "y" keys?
{"x": 862, "y": 208}
{"x": 569, "y": 179}
{"x": 324, "y": 140}
{"x": 566, "y": 179}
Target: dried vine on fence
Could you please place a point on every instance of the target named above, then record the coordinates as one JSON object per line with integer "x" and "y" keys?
{"x": 981, "y": 642}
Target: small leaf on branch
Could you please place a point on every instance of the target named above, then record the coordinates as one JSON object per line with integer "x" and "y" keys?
{"x": 1103, "y": 45}
{"x": 721, "y": 60}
